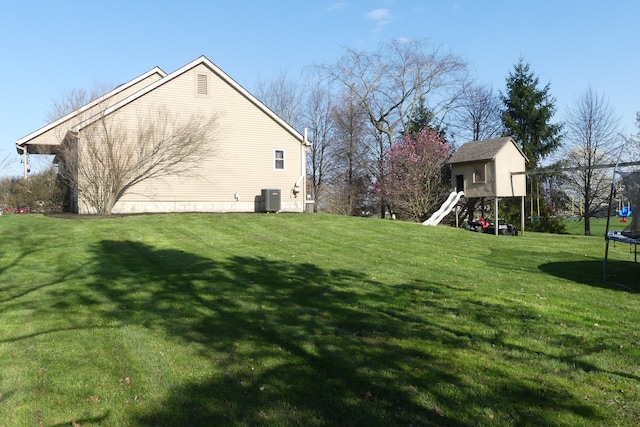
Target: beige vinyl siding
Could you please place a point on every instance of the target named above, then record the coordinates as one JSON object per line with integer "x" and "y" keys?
{"x": 508, "y": 160}
{"x": 243, "y": 163}
{"x": 472, "y": 188}
{"x": 135, "y": 88}
{"x": 55, "y": 134}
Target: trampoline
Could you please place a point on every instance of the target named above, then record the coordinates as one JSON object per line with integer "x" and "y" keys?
{"x": 631, "y": 234}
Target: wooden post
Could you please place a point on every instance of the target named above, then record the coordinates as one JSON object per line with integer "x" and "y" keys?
{"x": 496, "y": 216}
{"x": 522, "y": 213}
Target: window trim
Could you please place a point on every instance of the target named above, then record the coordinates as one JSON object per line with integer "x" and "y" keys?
{"x": 276, "y": 159}
{"x": 480, "y": 174}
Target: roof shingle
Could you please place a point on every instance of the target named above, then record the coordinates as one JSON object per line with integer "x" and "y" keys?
{"x": 475, "y": 151}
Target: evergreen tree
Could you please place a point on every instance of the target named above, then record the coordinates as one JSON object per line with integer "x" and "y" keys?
{"x": 422, "y": 117}
{"x": 528, "y": 110}
{"x": 527, "y": 115}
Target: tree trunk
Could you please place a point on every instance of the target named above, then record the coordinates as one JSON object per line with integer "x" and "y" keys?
{"x": 587, "y": 211}
{"x": 470, "y": 208}
{"x": 587, "y": 224}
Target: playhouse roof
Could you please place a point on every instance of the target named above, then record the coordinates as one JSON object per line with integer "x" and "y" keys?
{"x": 476, "y": 151}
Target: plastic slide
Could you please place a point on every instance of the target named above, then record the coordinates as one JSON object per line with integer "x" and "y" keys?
{"x": 446, "y": 207}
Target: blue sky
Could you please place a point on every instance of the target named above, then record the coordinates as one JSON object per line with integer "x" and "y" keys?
{"x": 51, "y": 47}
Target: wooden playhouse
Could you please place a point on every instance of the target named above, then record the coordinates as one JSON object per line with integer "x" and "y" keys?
{"x": 491, "y": 169}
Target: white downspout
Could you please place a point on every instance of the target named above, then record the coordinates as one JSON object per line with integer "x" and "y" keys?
{"x": 25, "y": 161}
{"x": 303, "y": 170}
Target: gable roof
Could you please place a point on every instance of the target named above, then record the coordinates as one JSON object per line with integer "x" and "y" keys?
{"x": 119, "y": 89}
{"x": 214, "y": 69}
{"x": 477, "y": 151}
{"x": 24, "y": 142}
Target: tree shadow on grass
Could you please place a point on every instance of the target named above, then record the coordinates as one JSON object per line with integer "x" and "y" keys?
{"x": 295, "y": 344}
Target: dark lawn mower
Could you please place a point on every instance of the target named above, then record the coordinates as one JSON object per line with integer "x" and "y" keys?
{"x": 482, "y": 225}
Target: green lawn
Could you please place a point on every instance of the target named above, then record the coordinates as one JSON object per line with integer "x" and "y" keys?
{"x": 598, "y": 226}
{"x": 310, "y": 320}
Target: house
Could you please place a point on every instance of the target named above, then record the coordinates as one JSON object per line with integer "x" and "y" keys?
{"x": 257, "y": 155}
{"x": 490, "y": 169}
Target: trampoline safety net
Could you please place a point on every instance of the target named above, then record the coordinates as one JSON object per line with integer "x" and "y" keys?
{"x": 631, "y": 181}
{"x": 631, "y": 234}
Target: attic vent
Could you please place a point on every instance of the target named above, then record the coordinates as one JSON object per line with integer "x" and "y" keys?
{"x": 202, "y": 84}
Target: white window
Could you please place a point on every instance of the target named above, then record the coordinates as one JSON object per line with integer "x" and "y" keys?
{"x": 278, "y": 156}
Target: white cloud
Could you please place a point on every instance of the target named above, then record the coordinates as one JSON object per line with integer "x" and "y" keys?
{"x": 381, "y": 16}
{"x": 336, "y": 7}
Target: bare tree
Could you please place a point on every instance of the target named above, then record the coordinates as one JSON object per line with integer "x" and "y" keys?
{"x": 283, "y": 96}
{"x": 105, "y": 160}
{"x": 83, "y": 103}
{"x": 74, "y": 99}
{"x": 318, "y": 117}
{"x": 592, "y": 139}
{"x": 479, "y": 116}
{"x": 350, "y": 177}
{"x": 633, "y": 141}
{"x": 6, "y": 162}
{"x": 389, "y": 82}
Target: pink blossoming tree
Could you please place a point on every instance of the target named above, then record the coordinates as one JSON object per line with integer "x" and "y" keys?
{"x": 413, "y": 184}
